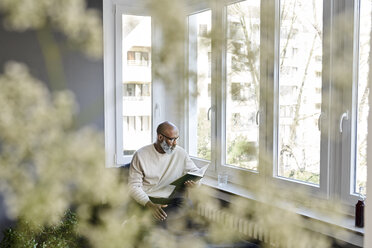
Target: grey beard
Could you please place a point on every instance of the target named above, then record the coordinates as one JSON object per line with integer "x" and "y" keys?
{"x": 168, "y": 149}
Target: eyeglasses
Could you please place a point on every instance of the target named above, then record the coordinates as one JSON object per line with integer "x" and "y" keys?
{"x": 170, "y": 139}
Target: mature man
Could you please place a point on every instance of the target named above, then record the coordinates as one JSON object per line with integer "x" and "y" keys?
{"x": 155, "y": 166}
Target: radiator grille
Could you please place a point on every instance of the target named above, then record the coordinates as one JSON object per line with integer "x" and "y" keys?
{"x": 246, "y": 227}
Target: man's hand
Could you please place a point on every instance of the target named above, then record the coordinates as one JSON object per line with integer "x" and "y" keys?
{"x": 157, "y": 210}
{"x": 190, "y": 183}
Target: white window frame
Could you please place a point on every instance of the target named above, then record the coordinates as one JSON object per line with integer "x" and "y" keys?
{"x": 233, "y": 172}
{"x": 109, "y": 82}
{"x": 350, "y": 125}
{"x": 322, "y": 189}
{"x": 112, "y": 26}
{"x": 218, "y": 103}
{"x": 195, "y": 9}
{"x": 334, "y": 147}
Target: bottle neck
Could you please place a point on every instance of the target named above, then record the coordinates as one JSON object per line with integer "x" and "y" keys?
{"x": 361, "y": 198}
{"x": 361, "y": 195}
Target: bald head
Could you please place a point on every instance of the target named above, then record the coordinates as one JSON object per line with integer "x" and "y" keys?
{"x": 166, "y": 126}
{"x": 167, "y": 137}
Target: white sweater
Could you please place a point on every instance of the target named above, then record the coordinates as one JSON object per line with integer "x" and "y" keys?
{"x": 151, "y": 172}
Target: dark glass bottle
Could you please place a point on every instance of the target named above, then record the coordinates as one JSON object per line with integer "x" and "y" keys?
{"x": 359, "y": 213}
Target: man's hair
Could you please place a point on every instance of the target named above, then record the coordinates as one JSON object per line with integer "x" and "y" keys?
{"x": 163, "y": 126}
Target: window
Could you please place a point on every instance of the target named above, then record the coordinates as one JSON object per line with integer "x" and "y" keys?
{"x": 242, "y": 99}
{"x": 129, "y": 89}
{"x": 359, "y": 167}
{"x": 145, "y": 123}
{"x": 128, "y": 80}
{"x": 136, "y": 89}
{"x": 145, "y": 89}
{"x": 241, "y": 104}
{"x": 203, "y": 29}
{"x": 302, "y": 143}
{"x": 294, "y": 51}
{"x": 138, "y": 58}
{"x": 136, "y": 35}
{"x": 290, "y": 93}
{"x": 200, "y": 108}
{"x": 355, "y": 106}
{"x": 282, "y": 102}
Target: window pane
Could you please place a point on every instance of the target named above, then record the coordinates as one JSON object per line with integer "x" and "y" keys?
{"x": 136, "y": 48}
{"x": 363, "y": 92}
{"x": 199, "y": 83}
{"x": 242, "y": 83}
{"x": 300, "y": 83}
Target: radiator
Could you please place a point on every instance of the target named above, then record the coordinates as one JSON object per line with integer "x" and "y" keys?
{"x": 246, "y": 227}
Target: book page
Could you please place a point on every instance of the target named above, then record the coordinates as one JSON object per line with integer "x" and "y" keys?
{"x": 199, "y": 172}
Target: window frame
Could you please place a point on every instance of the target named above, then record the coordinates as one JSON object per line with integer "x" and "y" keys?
{"x": 322, "y": 189}
{"x": 333, "y": 148}
{"x": 336, "y": 182}
{"x": 218, "y": 91}
{"x": 113, "y": 88}
{"x": 196, "y": 9}
{"x": 120, "y": 10}
{"x": 350, "y": 93}
{"x": 234, "y": 173}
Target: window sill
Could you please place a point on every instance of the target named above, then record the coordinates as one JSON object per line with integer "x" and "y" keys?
{"x": 346, "y": 230}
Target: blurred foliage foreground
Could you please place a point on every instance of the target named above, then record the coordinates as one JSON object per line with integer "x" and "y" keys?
{"x": 53, "y": 180}
{"x": 48, "y": 167}
{"x": 55, "y": 186}
{"x": 60, "y": 194}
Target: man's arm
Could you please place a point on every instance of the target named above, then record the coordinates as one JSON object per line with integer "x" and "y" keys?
{"x": 135, "y": 182}
{"x": 189, "y": 164}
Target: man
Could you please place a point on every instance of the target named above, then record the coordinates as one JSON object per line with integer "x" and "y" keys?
{"x": 155, "y": 166}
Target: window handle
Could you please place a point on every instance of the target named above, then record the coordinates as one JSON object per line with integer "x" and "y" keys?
{"x": 344, "y": 116}
{"x": 208, "y": 113}
{"x": 258, "y": 117}
{"x": 320, "y": 121}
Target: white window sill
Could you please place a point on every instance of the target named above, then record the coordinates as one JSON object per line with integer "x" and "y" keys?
{"x": 346, "y": 230}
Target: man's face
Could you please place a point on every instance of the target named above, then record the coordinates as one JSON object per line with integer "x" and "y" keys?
{"x": 168, "y": 139}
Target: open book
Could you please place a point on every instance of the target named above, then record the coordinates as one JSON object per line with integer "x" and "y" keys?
{"x": 194, "y": 176}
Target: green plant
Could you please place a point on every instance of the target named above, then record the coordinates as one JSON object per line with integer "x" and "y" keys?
{"x": 241, "y": 151}
{"x": 62, "y": 234}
